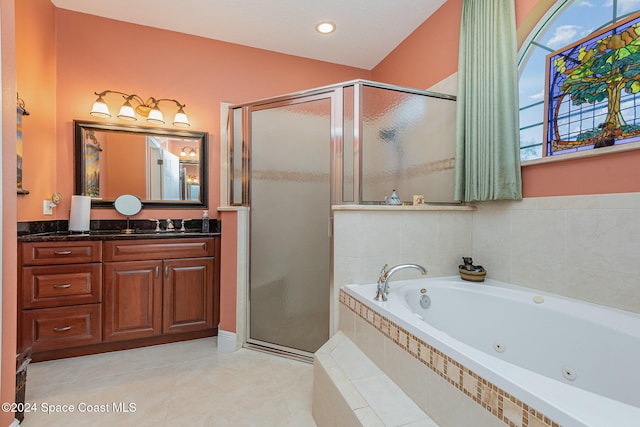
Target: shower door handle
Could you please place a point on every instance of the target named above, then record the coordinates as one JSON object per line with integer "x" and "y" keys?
{"x": 330, "y": 227}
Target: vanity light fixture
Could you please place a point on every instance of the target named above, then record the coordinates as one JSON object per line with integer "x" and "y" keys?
{"x": 183, "y": 152}
{"x": 193, "y": 152}
{"x": 325, "y": 27}
{"x": 148, "y": 109}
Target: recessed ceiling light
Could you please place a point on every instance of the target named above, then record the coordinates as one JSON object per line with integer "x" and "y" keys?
{"x": 325, "y": 27}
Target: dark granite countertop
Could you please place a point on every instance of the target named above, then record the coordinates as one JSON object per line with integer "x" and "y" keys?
{"x": 57, "y": 231}
{"x": 66, "y": 236}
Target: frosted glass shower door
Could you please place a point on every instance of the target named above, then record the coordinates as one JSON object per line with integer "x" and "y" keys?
{"x": 291, "y": 146}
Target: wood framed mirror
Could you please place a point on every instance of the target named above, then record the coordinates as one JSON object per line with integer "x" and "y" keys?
{"x": 164, "y": 168}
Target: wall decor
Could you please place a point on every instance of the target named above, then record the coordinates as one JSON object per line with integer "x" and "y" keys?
{"x": 92, "y": 151}
{"x": 21, "y": 112}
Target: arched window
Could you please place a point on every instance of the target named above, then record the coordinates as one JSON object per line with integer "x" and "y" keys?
{"x": 567, "y": 22}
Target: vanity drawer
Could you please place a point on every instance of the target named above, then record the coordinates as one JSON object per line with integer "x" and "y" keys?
{"x": 138, "y": 250}
{"x": 46, "y": 253}
{"x": 60, "y": 285}
{"x": 63, "y": 327}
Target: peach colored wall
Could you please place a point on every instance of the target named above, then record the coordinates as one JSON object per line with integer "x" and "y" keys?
{"x": 430, "y": 54}
{"x": 228, "y": 271}
{"x": 36, "y": 80}
{"x": 610, "y": 173}
{"x": 149, "y": 62}
{"x": 9, "y": 244}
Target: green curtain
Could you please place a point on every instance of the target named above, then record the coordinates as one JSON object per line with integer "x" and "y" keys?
{"x": 487, "y": 134}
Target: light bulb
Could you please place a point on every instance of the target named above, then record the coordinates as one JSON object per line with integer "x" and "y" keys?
{"x": 126, "y": 112}
{"x": 155, "y": 116}
{"x": 100, "y": 109}
{"x": 181, "y": 119}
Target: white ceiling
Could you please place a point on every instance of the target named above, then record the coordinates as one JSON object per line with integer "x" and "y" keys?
{"x": 367, "y": 30}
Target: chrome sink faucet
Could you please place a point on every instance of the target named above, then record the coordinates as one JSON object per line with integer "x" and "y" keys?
{"x": 157, "y": 221}
{"x": 182, "y": 227}
{"x": 385, "y": 275}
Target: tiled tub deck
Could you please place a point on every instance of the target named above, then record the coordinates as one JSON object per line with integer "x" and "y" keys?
{"x": 449, "y": 392}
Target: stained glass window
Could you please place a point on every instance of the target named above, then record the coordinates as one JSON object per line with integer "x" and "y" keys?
{"x": 567, "y": 22}
{"x": 592, "y": 100}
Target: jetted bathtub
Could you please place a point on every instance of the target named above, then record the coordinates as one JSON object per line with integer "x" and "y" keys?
{"x": 575, "y": 362}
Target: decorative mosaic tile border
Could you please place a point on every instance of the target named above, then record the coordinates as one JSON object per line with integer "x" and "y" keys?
{"x": 501, "y": 404}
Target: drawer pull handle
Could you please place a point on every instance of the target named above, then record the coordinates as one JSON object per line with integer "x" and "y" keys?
{"x": 62, "y": 286}
{"x": 66, "y": 328}
{"x": 62, "y": 252}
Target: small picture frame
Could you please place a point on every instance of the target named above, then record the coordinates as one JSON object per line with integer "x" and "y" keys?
{"x": 418, "y": 200}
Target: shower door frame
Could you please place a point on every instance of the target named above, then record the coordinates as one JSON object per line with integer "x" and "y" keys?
{"x": 336, "y": 92}
{"x": 335, "y": 190}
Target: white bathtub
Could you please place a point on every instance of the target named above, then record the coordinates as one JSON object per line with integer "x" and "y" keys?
{"x": 577, "y": 363}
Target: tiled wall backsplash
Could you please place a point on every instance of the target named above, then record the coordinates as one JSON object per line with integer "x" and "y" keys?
{"x": 584, "y": 247}
{"x": 364, "y": 241}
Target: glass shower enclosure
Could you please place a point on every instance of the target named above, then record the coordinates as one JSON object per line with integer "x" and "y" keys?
{"x": 294, "y": 156}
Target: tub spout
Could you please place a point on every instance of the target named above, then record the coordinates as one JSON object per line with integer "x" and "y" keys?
{"x": 385, "y": 275}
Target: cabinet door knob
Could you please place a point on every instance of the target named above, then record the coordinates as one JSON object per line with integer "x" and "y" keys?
{"x": 62, "y": 286}
{"x": 62, "y": 252}
{"x": 66, "y": 328}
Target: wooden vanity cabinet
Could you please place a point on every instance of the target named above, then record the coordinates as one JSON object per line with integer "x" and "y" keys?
{"x": 61, "y": 292}
{"x": 87, "y": 297}
{"x": 133, "y": 300}
{"x": 147, "y": 296}
{"x": 188, "y": 295}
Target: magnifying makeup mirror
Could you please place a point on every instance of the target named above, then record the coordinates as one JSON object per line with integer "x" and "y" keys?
{"x": 127, "y": 205}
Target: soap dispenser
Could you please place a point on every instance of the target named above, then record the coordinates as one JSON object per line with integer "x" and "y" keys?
{"x": 205, "y": 221}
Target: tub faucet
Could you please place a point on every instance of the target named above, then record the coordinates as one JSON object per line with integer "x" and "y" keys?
{"x": 385, "y": 275}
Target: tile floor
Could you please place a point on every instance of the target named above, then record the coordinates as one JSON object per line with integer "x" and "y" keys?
{"x": 180, "y": 384}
